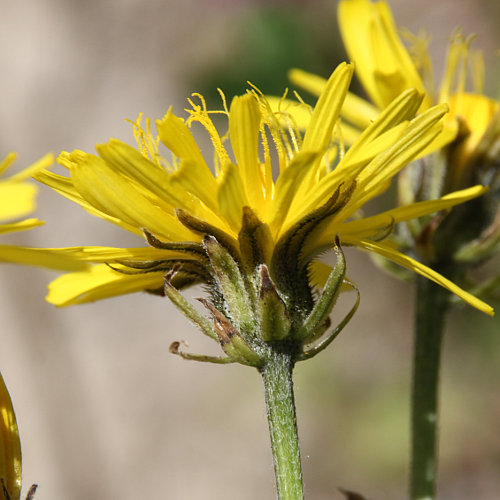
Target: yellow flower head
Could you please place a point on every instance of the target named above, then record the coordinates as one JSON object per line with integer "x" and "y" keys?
{"x": 17, "y": 199}
{"x": 386, "y": 68}
{"x": 273, "y": 197}
{"x": 10, "y": 446}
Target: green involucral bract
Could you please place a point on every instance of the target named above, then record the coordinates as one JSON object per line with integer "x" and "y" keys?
{"x": 251, "y": 316}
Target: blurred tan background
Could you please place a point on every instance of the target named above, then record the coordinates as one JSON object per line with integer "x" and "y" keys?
{"x": 105, "y": 412}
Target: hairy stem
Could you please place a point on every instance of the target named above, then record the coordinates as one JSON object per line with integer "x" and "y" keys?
{"x": 280, "y": 405}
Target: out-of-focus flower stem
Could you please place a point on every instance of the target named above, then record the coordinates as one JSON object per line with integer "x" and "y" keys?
{"x": 432, "y": 302}
{"x": 280, "y": 406}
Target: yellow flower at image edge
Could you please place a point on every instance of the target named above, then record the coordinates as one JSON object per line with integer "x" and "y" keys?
{"x": 10, "y": 446}
{"x": 282, "y": 222}
{"x": 386, "y": 68}
{"x": 17, "y": 199}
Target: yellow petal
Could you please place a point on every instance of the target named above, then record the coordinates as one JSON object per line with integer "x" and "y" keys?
{"x": 175, "y": 134}
{"x": 413, "y": 265}
{"x": 298, "y": 115}
{"x": 188, "y": 180}
{"x": 10, "y": 446}
{"x": 99, "y": 282}
{"x": 477, "y": 113}
{"x": 420, "y": 132}
{"x": 325, "y": 115}
{"x": 290, "y": 112}
{"x": 367, "y": 145}
{"x": 453, "y": 81}
{"x": 7, "y": 162}
{"x": 244, "y": 126}
{"x": 314, "y": 84}
{"x": 355, "y": 110}
{"x": 358, "y": 111}
{"x": 126, "y": 160}
{"x": 182, "y": 189}
{"x": 327, "y": 109}
{"x": 374, "y": 147}
{"x": 64, "y": 186}
{"x": 231, "y": 196}
{"x": 348, "y": 133}
{"x": 401, "y": 109}
{"x": 319, "y": 273}
{"x": 124, "y": 199}
{"x": 370, "y": 226}
{"x": 39, "y": 257}
{"x": 44, "y": 162}
{"x": 387, "y": 163}
{"x": 448, "y": 134}
{"x": 97, "y": 254}
{"x": 20, "y": 226}
{"x": 17, "y": 199}
{"x": 286, "y": 190}
{"x": 382, "y": 63}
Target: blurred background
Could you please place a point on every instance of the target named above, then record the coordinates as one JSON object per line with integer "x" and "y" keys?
{"x": 104, "y": 410}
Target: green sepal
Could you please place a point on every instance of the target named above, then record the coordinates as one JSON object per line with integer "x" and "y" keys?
{"x": 481, "y": 248}
{"x": 320, "y": 331}
{"x": 179, "y": 281}
{"x": 274, "y": 321}
{"x": 188, "y": 267}
{"x": 204, "y": 228}
{"x": 189, "y": 247}
{"x": 312, "y": 350}
{"x": 243, "y": 353}
{"x": 289, "y": 265}
{"x": 255, "y": 239}
{"x": 326, "y": 301}
{"x": 203, "y": 358}
{"x": 185, "y": 307}
{"x": 231, "y": 342}
{"x": 231, "y": 284}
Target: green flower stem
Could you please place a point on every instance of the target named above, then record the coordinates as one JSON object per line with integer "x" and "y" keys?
{"x": 280, "y": 405}
{"x": 432, "y": 303}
